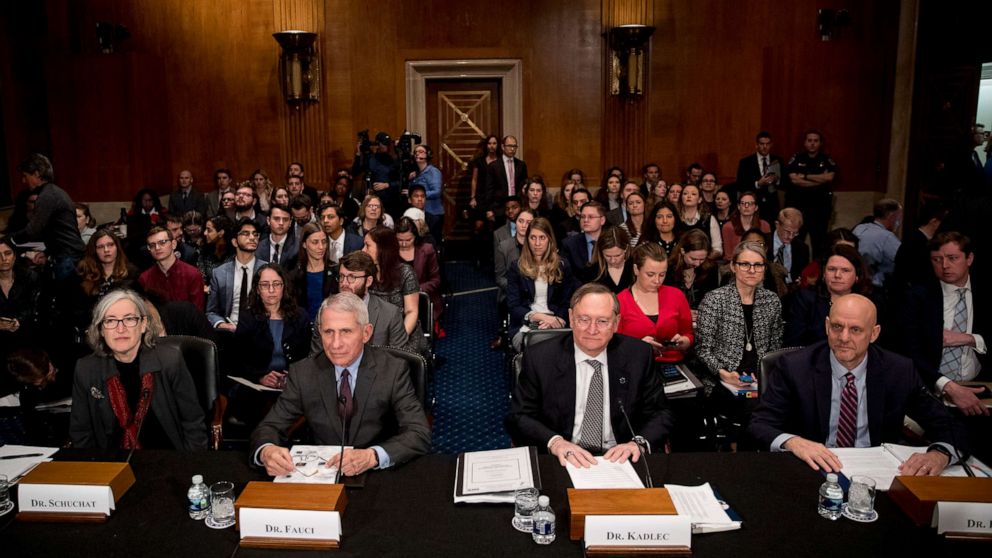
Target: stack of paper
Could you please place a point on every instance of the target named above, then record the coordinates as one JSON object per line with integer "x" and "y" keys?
{"x": 604, "y": 474}
{"x": 882, "y": 463}
{"x": 708, "y": 513}
{"x": 492, "y": 476}
{"x": 314, "y": 465}
{"x": 17, "y": 467}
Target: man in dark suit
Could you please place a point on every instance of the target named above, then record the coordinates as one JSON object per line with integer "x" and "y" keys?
{"x": 296, "y": 186}
{"x": 788, "y": 250}
{"x": 384, "y": 420}
{"x": 761, "y": 173}
{"x": 231, "y": 282}
{"x": 570, "y": 391}
{"x": 511, "y": 210}
{"x": 577, "y": 249}
{"x": 504, "y": 177}
{"x": 340, "y": 241}
{"x": 279, "y": 246}
{"x": 186, "y": 198}
{"x": 846, "y": 393}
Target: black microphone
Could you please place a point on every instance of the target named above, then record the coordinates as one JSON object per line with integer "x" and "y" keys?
{"x": 344, "y": 435}
{"x": 962, "y": 457}
{"x": 634, "y": 438}
{"x": 137, "y": 435}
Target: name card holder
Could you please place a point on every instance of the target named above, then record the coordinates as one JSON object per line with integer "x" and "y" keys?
{"x": 637, "y": 501}
{"x": 290, "y": 496}
{"x": 918, "y": 496}
{"x": 70, "y": 475}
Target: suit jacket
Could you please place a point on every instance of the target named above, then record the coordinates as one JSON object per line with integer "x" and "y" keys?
{"x": 288, "y": 255}
{"x": 921, "y": 324}
{"x": 520, "y": 293}
{"x": 720, "y": 327}
{"x": 748, "y": 172}
{"x": 615, "y": 217}
{"x": 387, "y": 412}
{"x": 796, "y": 399}
{"x": 256, "y": 345}
{"x": 544, "y": 398}
{"x": 387, "y": 326}
{"x": 220, "y": 301}
{"x": 800, "y": 255}
{"x": 298, "y": 282}
{"x": 501, "y": 234}
{"x": 352, "y": 242}
{"x": 196, "y": 201}
{"x": 497, "y": 185}
{"x": 575, "y": 250}
{"x": 507, "y": 253}
{"x": 93, "y": 424}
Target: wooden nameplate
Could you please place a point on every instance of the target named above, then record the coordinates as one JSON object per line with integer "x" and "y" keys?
{"x": 636, "y": 501}
{"x": 918, "y": 496}
{"x": 117, "y": 475}
{"x": 291, "y": 496}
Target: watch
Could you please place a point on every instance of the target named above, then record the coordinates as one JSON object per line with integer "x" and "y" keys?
{"x": 943, "y": 450}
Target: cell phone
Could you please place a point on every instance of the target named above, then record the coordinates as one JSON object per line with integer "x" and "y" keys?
{"x": 746, "y": 378}
{"x": 669, "y": 343}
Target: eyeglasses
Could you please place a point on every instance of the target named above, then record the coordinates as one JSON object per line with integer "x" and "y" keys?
{"x": 510, "y": 145}
{"x": 106, "y": 246}
{"x": 253, "y": 234}
{"x": 749, "y": 266}
{"x": 747, "y": 204}
{"x": 158, "y": 243}
{"x": 270, "y": 285}
{"x": 585, "y": 321}
{"x": 373, "y": 206}
{"x": 128, "y": 321}
{"x": 351, "y": 278}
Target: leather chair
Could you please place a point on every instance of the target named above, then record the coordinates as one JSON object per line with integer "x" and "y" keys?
{"x": 203, "y": 363}
{"x": 418, "y": 371}
{"x": 535, "y": 336}
{"x": 768, "y": 364}
{"x": 425, "y": 315}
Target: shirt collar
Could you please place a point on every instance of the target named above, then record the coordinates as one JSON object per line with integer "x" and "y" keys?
{"x": 581, "y": 356}
{"x": 352, "y": 368}
{"x": 949, "y": 289}
{"x": 838, "y": 370}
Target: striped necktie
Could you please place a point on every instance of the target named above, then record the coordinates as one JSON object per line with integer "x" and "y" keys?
{"x": 847, "y": 424}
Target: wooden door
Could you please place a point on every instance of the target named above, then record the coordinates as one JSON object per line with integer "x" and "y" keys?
{"x": 460, "y": 113}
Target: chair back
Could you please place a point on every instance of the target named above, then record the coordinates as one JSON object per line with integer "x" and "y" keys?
{"x": 201, "y": 359}
{"x": 536, "y": 336}
{"x": 418, "y": 370}
{"x": 425, "y": 316}
{"x": 768, "y": 365}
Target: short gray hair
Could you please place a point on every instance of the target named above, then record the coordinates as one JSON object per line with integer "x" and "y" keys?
{"x": 344, "y": 302}
{"x": 750, "y": 246}
{"x": 94, "y": 335}
{"x": 591, "y": 289}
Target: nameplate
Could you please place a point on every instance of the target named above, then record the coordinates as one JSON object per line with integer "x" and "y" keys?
{"x": 290, "y": 524}
{"x": 65, "y": 498}
{"x": 638, "y": 530}
{"x": 964, "y": 517}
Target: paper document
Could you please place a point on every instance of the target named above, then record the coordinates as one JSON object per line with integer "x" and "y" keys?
{"x": 59, "y": 406}
{"x": 749, "y": 392}
{"x": 15, "y": 468}
{"x": 709, "y": 515}
{"x": 492, "y": 476}
{"x": 253, "y": 385}
{"x": 314, "y": 465}
{"x": 604, "y": 474}
{"x": 882, "y": 463}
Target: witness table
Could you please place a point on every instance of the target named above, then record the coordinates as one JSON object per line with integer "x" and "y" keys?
{"x": 408, "y": 511}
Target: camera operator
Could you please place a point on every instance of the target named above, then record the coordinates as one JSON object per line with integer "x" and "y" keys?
{"x": 378, "y": 169}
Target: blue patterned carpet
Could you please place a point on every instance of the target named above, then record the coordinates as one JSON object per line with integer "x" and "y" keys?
{"x": 471, "y": 389}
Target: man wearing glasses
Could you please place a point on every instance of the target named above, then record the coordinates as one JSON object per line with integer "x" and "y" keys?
{"x": 244, "y": 207}
{"x": 355, "y": 275}
{"x": 230, "y": 283}
{"x": 577, "y": 249}
{"x": 170, "y": 277}
{"x": 788, "y": 251}
{"x": 573, "y": 390}
{"x": 506, "y": 176}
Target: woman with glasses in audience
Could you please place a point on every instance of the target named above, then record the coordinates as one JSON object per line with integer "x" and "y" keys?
{"x": 636, "y": 206}
{"x": 314, "y": 279}
{"x": 722, "y": 202}
{"x": 661, "y": 226}
{"x": 708, "y": 188}
{"x": 695, "y": 214}
{"x": 131, "y": 385}
{"x": 744, "y": 219}
{"x": 370, "y": 216}
{"x": 227, "y": 208}
{"x": 538, "y": 285}
{"x": 844, "y": 272}
{"x": 741, "y": 321}
{"x": 422, "y": 258}
{"x": 654, "y": 312}
{"x": 396, "y": 281}
{"x": 104, "y": 267}
{"x": 611, "y": 256}
{"x": 692, "y": 268}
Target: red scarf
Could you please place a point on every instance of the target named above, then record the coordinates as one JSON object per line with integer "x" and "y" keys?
{"x": 118, "y": 402}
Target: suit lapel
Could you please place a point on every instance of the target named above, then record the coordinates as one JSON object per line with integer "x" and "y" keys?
{"x": 875, "y": 386}
{"x": 327, "y": 388}
{"x": 618, "y": 381}
{"x": 821, "y": 392}
{"x": 565, "y": 379}
{"x": 361, "y": 390}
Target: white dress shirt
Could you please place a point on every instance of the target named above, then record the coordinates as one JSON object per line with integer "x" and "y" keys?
{"x": 970, "y": 367}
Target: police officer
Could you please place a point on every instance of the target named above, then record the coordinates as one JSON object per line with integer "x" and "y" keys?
{"x": 811, "y": 173}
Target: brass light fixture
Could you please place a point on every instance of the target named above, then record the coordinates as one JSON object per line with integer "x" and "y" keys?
{"x": 299, "y": 67}
{"x": 627, "y": 59}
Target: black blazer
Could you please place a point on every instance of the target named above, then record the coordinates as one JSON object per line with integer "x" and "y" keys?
{"x": 748, "y": 172}
{"x": 196, "y": 201}
{"x": 298, "y": 280}
{"x": 575, "y": 251}
{"x": 255, "y": 343}
{"x": 520, "y": 292}
{"x": 800, "y": 253}
{"x": 497, "y": 185}
{"x": 92, "y": 423}
{"x": 796, "y": 399}
{"x": 544, "y": 398}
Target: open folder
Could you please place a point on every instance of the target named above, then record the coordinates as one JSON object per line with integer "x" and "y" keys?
{"x": 493, "y": 476}
{"x": 882, "y": 463}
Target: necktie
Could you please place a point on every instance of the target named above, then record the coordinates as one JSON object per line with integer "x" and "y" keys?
{"x": 345, "y": 402}
{"x": 275, "y": 257}
{"x": 243, "y": 300}
{"x": 847, "y": 424}
{"x": 592, "y": 244}
{"x": 510, "y": 177}
{"x": 764, "y": 165}
{"x": 780, "y": 255}
{"x": 591, "y": 432}
{"x": 185, "y": 196}
{"x": 950, "y": 361}
{"x": 334, "y": 251}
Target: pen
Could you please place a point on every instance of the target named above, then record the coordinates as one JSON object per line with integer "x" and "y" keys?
{"x": 21, "y": 455}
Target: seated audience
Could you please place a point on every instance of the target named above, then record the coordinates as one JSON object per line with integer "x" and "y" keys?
{"x": 342, "y": 195}
{"x": 340, "y": 240}
{"x": 722, "y": 202}
{"x": 279, "y": 246}
{"x": 422, "y": 257}
{"x": 280, "y": 196}
{"x": 609, "y": 191}
{"x": 692, "y": 269}
{"x": 843, "y": 274}
{"x": 612, "y": 258}
{"x": 104, "y": 267}
{"x": 174, "y": 279}
{"x": 577, "y": 249}
{"x": 314, "y": 278}
{"x": 231, "y": 283}
{"x": 129, "y": 383}
{"x": 184, "y": 251}
{"x": 193, "y": 229}
{"x": 396, "y": 282}
{"x": 572, "y": 224}
{"x": 695, "y": 214}
{"x": 40, "y": 382}
{"x": 264, "y": 190}
{"x": 19, "y": 294}
{"x": 370, "y": 216}
{"x": 674, "y": 194}
{"x": 660, "y": 226}
{"x": 85, "y": 222}
{"x": 790, "y": 254}
{"x": 811, "y": 273}
{"x": 218, "y": 246}
{"x": 744, "y": 219}
{"x": 635, "y": 204}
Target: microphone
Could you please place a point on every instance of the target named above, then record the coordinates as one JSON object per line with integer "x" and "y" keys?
{"x": 634, "y": 438}
{"x": 344, "y": 435}
{"x": 962, "y": 458}
{"x": 137, "y": 435}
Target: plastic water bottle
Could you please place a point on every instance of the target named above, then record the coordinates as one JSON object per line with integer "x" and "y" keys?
{"x": 544, "y": 522}
{"x": 199, "y": 498}
{"x": 831, "y": 498}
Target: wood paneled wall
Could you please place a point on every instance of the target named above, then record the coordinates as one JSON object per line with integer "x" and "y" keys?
{"x": 196, "y": 85}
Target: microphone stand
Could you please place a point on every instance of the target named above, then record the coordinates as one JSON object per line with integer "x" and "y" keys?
{"x": 635, "y": 438}
{"x": 137, "y": 435}
{"x": 962, "y": 458}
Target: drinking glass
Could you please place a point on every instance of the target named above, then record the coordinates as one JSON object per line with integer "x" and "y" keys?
{"x": 221, "y": 505}
{"x": 860, "y": 504}
{"x": 5, "y": 504}
{"x": 524, "y": 505}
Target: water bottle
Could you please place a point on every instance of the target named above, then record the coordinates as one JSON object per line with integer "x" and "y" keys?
{"x": 831, "y": 497}
{"x": 544, "y": 522}
{"x": 199, "y": 498}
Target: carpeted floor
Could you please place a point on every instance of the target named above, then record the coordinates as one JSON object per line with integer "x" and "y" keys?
{"x": 471, "y": 385}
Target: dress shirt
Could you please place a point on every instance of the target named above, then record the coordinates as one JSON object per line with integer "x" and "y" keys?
{"x": 238, "y": 272}
{"x": 879, "y": 246}
{"x": 970, "y": 367}
{"x": 590, "y": 243}
{"x": 583, "y": 375}
{"x": 281, "y": 245}
{"x": 511, "y": 182}
{"x": 786, "y": 255}
{"x": 336, "y": 246}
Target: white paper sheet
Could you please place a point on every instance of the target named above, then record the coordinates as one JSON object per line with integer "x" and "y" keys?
{"x": 311, "y": 465}
{"x": 700, "y": 503}
{"x": 497, "y": 471}
{"x": 253, "y": 385}
{"x": 604, "y": 474}
{"x": 14, "y": 468}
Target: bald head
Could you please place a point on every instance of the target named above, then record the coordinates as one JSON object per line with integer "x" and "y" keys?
{"x": 851, "y": 327}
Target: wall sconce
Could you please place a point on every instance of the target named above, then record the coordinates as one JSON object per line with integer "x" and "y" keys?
{"x": 299, "y": 67}
{"x": 627, "y": 59}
